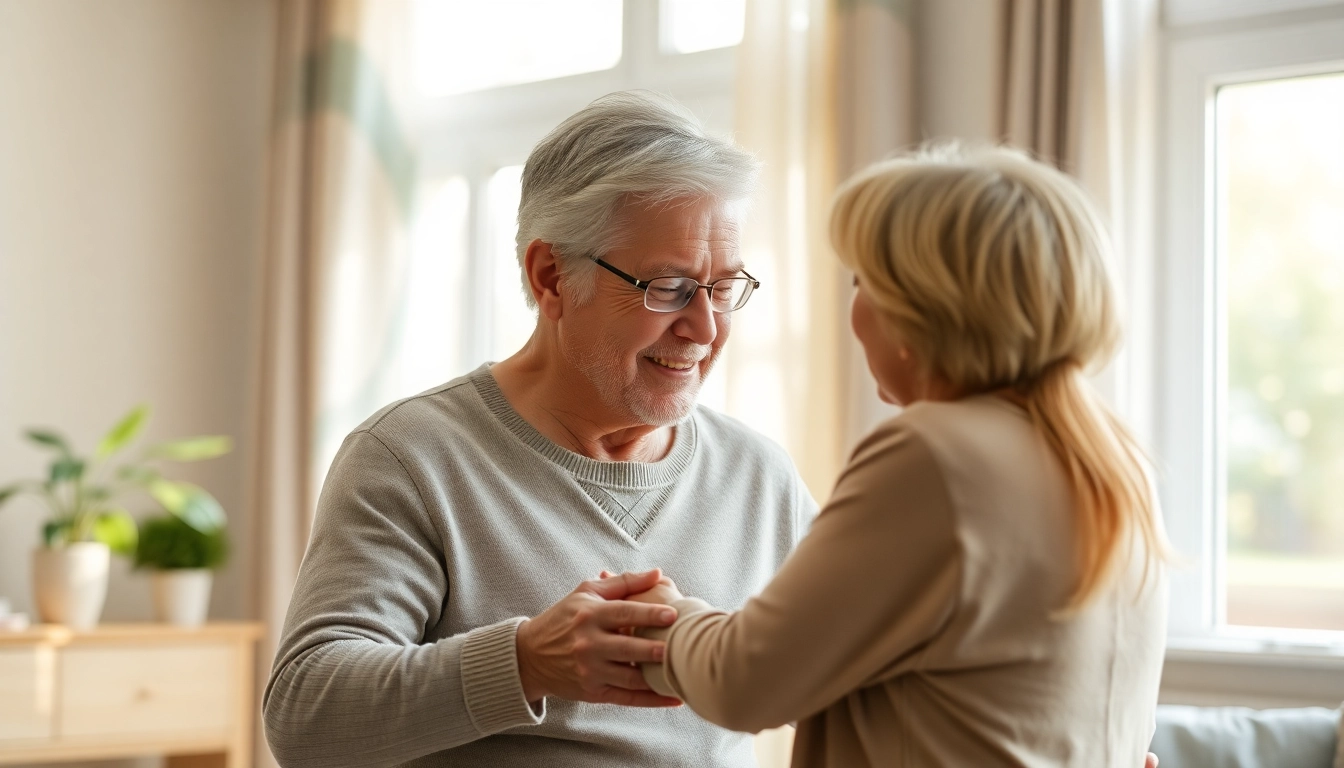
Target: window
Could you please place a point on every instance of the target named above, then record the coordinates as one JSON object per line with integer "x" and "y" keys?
{"x": 688, "y": 26}
{"x": 493, "y": 78}
{"x": 1251, "y": 440}
{"x": 1279, "y": 213}
{"x": 470, "y": 46}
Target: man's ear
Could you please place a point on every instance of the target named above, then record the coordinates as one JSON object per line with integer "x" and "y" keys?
{"x": 541, "y": 264}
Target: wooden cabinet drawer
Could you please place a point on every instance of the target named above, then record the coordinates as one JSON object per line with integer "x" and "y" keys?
{"x": 114, "y": 691}
{"x": 26, "y": 693}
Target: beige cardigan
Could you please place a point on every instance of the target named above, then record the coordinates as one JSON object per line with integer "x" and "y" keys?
{"x": 912, "y": 626}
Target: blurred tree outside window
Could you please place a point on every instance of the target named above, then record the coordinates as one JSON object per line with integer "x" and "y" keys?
{"x": 1280, "y": 263}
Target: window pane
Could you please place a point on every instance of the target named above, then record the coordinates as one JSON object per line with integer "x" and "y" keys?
{"x": 699, "y": 25}
{"x": 468, "y": 45}
{"x": 436, "y": 288}
{"x": 1280, "y": 214}
{"x": 511, "y": 320}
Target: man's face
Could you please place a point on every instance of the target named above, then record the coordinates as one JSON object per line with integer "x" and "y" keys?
{"x": 648, "y": 366}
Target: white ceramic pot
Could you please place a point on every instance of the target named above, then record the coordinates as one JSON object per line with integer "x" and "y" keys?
{"x": 181, "y": 595}
{"x": 70, "y": 583}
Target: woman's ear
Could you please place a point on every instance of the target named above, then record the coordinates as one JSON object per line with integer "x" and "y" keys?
{"x": 542, "y": 267}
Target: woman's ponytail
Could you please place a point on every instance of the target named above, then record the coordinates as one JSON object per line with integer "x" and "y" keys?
{"x": 1112, "y": 494}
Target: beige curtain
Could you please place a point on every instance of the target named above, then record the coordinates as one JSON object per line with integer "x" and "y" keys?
{"x": 877, "y": 114}
{"x": 786, "y": 365}
{"x": 827, "y": 87}
{"x": 783, "y": 365}
{"x": 339, "y": 203}
{"x": 1079, "y": 89}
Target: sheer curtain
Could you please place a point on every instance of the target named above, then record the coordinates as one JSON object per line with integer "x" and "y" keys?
{"x": 829, "y": 86}
{"x": 1079, "y": 89}
{"x": 784, "y": 370}
{"x": 333, "y": 314}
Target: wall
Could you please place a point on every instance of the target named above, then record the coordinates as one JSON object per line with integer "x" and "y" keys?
{"x": 132, "y": 169}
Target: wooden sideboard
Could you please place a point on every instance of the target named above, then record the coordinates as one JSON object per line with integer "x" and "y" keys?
{"x": 126, "y": 690}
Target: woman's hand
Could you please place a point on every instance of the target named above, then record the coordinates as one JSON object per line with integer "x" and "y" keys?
{"x": 665, "y": 592}
{"x": 662, "y": 594}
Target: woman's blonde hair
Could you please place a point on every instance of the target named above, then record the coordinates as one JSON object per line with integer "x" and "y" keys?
{"x": 994, "y": 271}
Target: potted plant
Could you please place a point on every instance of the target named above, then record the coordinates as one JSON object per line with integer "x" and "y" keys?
{"x": 182, "y": 559}
{"x": 88, "y": 520}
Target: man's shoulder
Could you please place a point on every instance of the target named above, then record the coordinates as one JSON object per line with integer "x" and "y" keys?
{"x": 722, "y": 434}
{"x": 448, "y": 407}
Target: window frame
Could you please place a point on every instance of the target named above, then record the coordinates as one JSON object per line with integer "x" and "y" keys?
{"x": 477, "y": 133}
{"x": 1191, "y": 374}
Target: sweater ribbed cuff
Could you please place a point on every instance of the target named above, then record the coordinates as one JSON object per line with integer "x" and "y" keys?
{"x": 491, "y": 684}
{"x": 655, "y": 674}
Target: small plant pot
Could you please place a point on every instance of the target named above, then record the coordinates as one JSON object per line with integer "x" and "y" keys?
{"x": 181, "y": 595}
{"x": 70, "y": 583}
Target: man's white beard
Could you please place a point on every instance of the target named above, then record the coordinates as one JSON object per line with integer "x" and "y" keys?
{"x": 600, "y": 363}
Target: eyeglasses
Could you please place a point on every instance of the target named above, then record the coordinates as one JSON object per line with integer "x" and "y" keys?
{"x": 672, "y": 294}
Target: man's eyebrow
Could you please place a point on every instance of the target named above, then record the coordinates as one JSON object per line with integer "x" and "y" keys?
{"x": 668, "y": 269}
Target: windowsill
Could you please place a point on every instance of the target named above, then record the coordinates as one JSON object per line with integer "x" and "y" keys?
{"x": 1257, "y": 652}
{"x": 1257, "y": 672}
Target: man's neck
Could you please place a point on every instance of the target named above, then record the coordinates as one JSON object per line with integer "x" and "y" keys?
{"x": 561, "y": 405}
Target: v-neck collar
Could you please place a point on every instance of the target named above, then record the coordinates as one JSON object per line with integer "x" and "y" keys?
{"x": 613, "y": 474}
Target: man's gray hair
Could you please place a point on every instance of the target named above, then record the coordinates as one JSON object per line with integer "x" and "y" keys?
{"x": 631, "y": 145}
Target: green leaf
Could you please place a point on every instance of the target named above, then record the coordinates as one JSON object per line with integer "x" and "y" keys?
{"x": 203, "y": 513}
{"x": 66, "y": 469}
{"x": 94, "y": 494}
{"x": 49, "y": 439}
{"x": 172, "y": 496}
{"x": 191, "y": 503}
{"x": 192, "y": 448}
{"x": 9, "y": 491}
{"x": 138, "y": 475}
{"x": 55, "y": 533}
{"x": 117, "y": 530}
{"x": 125, "y": 431}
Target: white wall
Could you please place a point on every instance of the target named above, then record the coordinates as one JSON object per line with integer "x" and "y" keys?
{"x": 132, "y": 168}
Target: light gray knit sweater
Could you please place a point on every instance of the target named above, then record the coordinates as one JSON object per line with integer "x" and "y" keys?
{"x": 444, "y": 520}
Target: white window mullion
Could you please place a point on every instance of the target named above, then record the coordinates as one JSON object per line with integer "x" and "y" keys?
{"x": 480, "y": 328}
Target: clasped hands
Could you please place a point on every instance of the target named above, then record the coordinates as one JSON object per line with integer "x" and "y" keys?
{"x": 583, "y": 648}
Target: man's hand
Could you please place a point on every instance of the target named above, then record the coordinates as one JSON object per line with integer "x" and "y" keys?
{"x": 665, "y": 592}
{"x": 662, "y": 593}
{"x": 574, "y": 649}
{"x": 1151, "y": 761}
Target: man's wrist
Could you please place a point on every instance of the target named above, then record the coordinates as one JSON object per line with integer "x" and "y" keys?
{"x": 491, "y": 685}
{"x": 533, "y": 690}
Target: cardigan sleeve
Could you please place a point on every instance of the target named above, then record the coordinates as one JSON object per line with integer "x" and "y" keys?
{"x": 872, "y": 583}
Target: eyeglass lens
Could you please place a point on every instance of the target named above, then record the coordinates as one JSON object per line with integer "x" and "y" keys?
{"x": 670, "y": 294}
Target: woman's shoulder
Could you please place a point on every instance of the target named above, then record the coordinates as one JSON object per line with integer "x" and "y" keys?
{"x": 982, "y": 421}
{"x": 980, "y": 417}
{"x": 981, "y": 446}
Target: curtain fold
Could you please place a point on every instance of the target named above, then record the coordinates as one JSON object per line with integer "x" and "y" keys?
{"x": 339, "y": 203}
{"x": 784, "y": 365}
{"x": 1078, "y": 90}
{"x": 877, "y": 114}
{"x": 827, "y": 87}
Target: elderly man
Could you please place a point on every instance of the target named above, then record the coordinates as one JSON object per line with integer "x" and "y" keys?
{"x": 432, "y": 622}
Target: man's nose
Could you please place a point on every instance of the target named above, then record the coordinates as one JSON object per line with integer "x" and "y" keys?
{"x": 695, "y": 322}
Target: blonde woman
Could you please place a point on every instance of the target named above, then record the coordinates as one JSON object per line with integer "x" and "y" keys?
{"x": 985, "y": 585}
